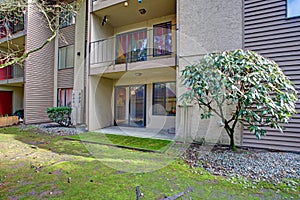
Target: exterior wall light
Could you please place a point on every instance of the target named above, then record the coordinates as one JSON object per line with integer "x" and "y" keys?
{"x": 142, "y": 11}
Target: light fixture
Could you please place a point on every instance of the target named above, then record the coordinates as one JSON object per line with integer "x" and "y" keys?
{"x": 138, "y": 74}
{"x": 142, "y": 11}
{"x": 140, "y": 1}
{"x": 104, "y": 20}
{"x": 126, "y": 3}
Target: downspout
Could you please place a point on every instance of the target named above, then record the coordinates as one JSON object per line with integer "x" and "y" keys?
{"x": 88, "y": 51}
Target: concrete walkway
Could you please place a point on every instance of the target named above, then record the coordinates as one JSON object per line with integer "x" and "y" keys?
{"x": 137, "y": 132}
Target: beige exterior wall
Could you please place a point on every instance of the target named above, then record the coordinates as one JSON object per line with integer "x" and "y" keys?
{"x": 100, "y": 101}
{"x": 79, "y": 66}
{"x": 102, "y": 97}
{"x": 145, "y": 24}
{"x": 18, "y": 96}
{"x": 105, "y": 3}
{"x": 99, "y": 32}
{"x": 204, "y": 27}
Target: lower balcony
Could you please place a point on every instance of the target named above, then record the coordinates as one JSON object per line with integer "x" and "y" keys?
{"x": 135, "y": 50}
{"x": 12, "y": 74}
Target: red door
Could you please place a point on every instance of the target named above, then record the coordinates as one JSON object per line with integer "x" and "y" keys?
{"x": 5, "y": 103}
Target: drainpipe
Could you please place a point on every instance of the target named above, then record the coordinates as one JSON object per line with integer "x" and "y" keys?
{"x": 88, "y": 51}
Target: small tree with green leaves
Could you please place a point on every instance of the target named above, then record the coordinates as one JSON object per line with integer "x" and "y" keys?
{"x": 260, "y": 94}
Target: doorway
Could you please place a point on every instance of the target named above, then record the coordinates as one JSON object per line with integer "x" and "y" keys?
{"x": 130, "y": 105}
{"x": 6, "y": 103}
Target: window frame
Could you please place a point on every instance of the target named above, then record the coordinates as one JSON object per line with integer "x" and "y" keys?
{"x": 287, "y": 10}
{"x": 129, "y": 50}
{"x": 168, "y": 27}
{"x": 70, "y": 18}
{"x": 65, "y": 99}
{"x": 66, "y": 57}
{"x": 164, "y": 101}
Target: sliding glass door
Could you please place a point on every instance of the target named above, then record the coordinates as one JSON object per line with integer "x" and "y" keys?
{"x": 130, "y": 105}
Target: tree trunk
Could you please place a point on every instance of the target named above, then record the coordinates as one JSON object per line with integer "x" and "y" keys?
{"x": 230, "y": 132}
{"x": 232, "y": 144}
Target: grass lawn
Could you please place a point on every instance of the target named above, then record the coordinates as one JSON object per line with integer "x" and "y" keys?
{"x": 37, "y": 166}
{"x": 126, "y": 141}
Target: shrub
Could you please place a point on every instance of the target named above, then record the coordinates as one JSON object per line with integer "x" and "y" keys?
{"x": 60, "y": 115}
{"x": 260, "y": 94}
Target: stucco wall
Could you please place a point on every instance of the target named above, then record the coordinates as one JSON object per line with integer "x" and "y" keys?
{"x": 204, "y": 27}
{"x": 148, "y": 78}
{"x": 79, "y": 64}
{"x": 100, "y": 100}
{"x": 102, "y": 97}
{"x": 98, "y": 31}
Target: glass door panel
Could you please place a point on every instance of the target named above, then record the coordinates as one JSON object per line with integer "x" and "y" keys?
{"x": 130, "y": 105}
{"x": 121, "y": 105}
{"x": 137, "y": 106}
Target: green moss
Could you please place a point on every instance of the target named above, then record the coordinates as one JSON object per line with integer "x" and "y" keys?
{"x": 126, "y": 141}
{"x": 61, "y": 169}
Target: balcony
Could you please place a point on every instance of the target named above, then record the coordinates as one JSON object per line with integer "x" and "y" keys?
{"x": 9, "y": 28}
{"x": 143, "y": 48}
{"x": 12, "y": 74}
{"x": 100, "y": 4}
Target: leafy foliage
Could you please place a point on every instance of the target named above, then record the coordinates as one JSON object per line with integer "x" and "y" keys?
{"x": 60, "y": 115}
{"x": 12, "y": 15}
{"x": 255, "y": 86}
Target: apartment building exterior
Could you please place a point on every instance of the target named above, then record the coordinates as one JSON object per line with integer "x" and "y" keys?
{"x": 272, "y": 28}
{"x": 46, "y": 78}
{"x": 137, "y": 50}
{"x": 12, "y": 77}
{"x": 120, "y": 63}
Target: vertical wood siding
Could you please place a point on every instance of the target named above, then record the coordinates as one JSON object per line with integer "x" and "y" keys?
{"x": 268, "y": 31}
{"x": 39, "y": 73}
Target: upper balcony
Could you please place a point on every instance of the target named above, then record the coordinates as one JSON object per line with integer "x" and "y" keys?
{"x": 100, "y": 4}
{"x": 13, "y": 27}
{"x": 125, "y": 51}
{"x": 12, "y": 74}
{"x": 133, "y": 35}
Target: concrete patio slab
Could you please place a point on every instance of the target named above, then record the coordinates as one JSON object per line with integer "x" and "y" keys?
{"x": 138, "y": 132}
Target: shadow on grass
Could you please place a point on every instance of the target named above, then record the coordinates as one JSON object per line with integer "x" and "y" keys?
{"x": 127, "y": 160}
{"x": 54, "y": 143}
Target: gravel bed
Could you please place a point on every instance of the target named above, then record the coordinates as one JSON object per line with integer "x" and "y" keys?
{"x": 251, "y": 164}
{"x": 53, "y": 128}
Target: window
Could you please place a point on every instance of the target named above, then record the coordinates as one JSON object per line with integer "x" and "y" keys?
{"x": 162, "y": 39}
{"x": 11, "y": 23}
{"x": 66, "y": 57}
{"x": 293, "y": 8}
{"x": 64, "y": 97}
{"x": 66, "y": 18}
{"x": 132, "y": 47}
{"x": 164, "y": 98}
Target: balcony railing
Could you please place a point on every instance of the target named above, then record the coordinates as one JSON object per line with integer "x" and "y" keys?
{"x": 11, "y": 72}
{"x": 10, "y": 27}
{"x": 137, "y": 46}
